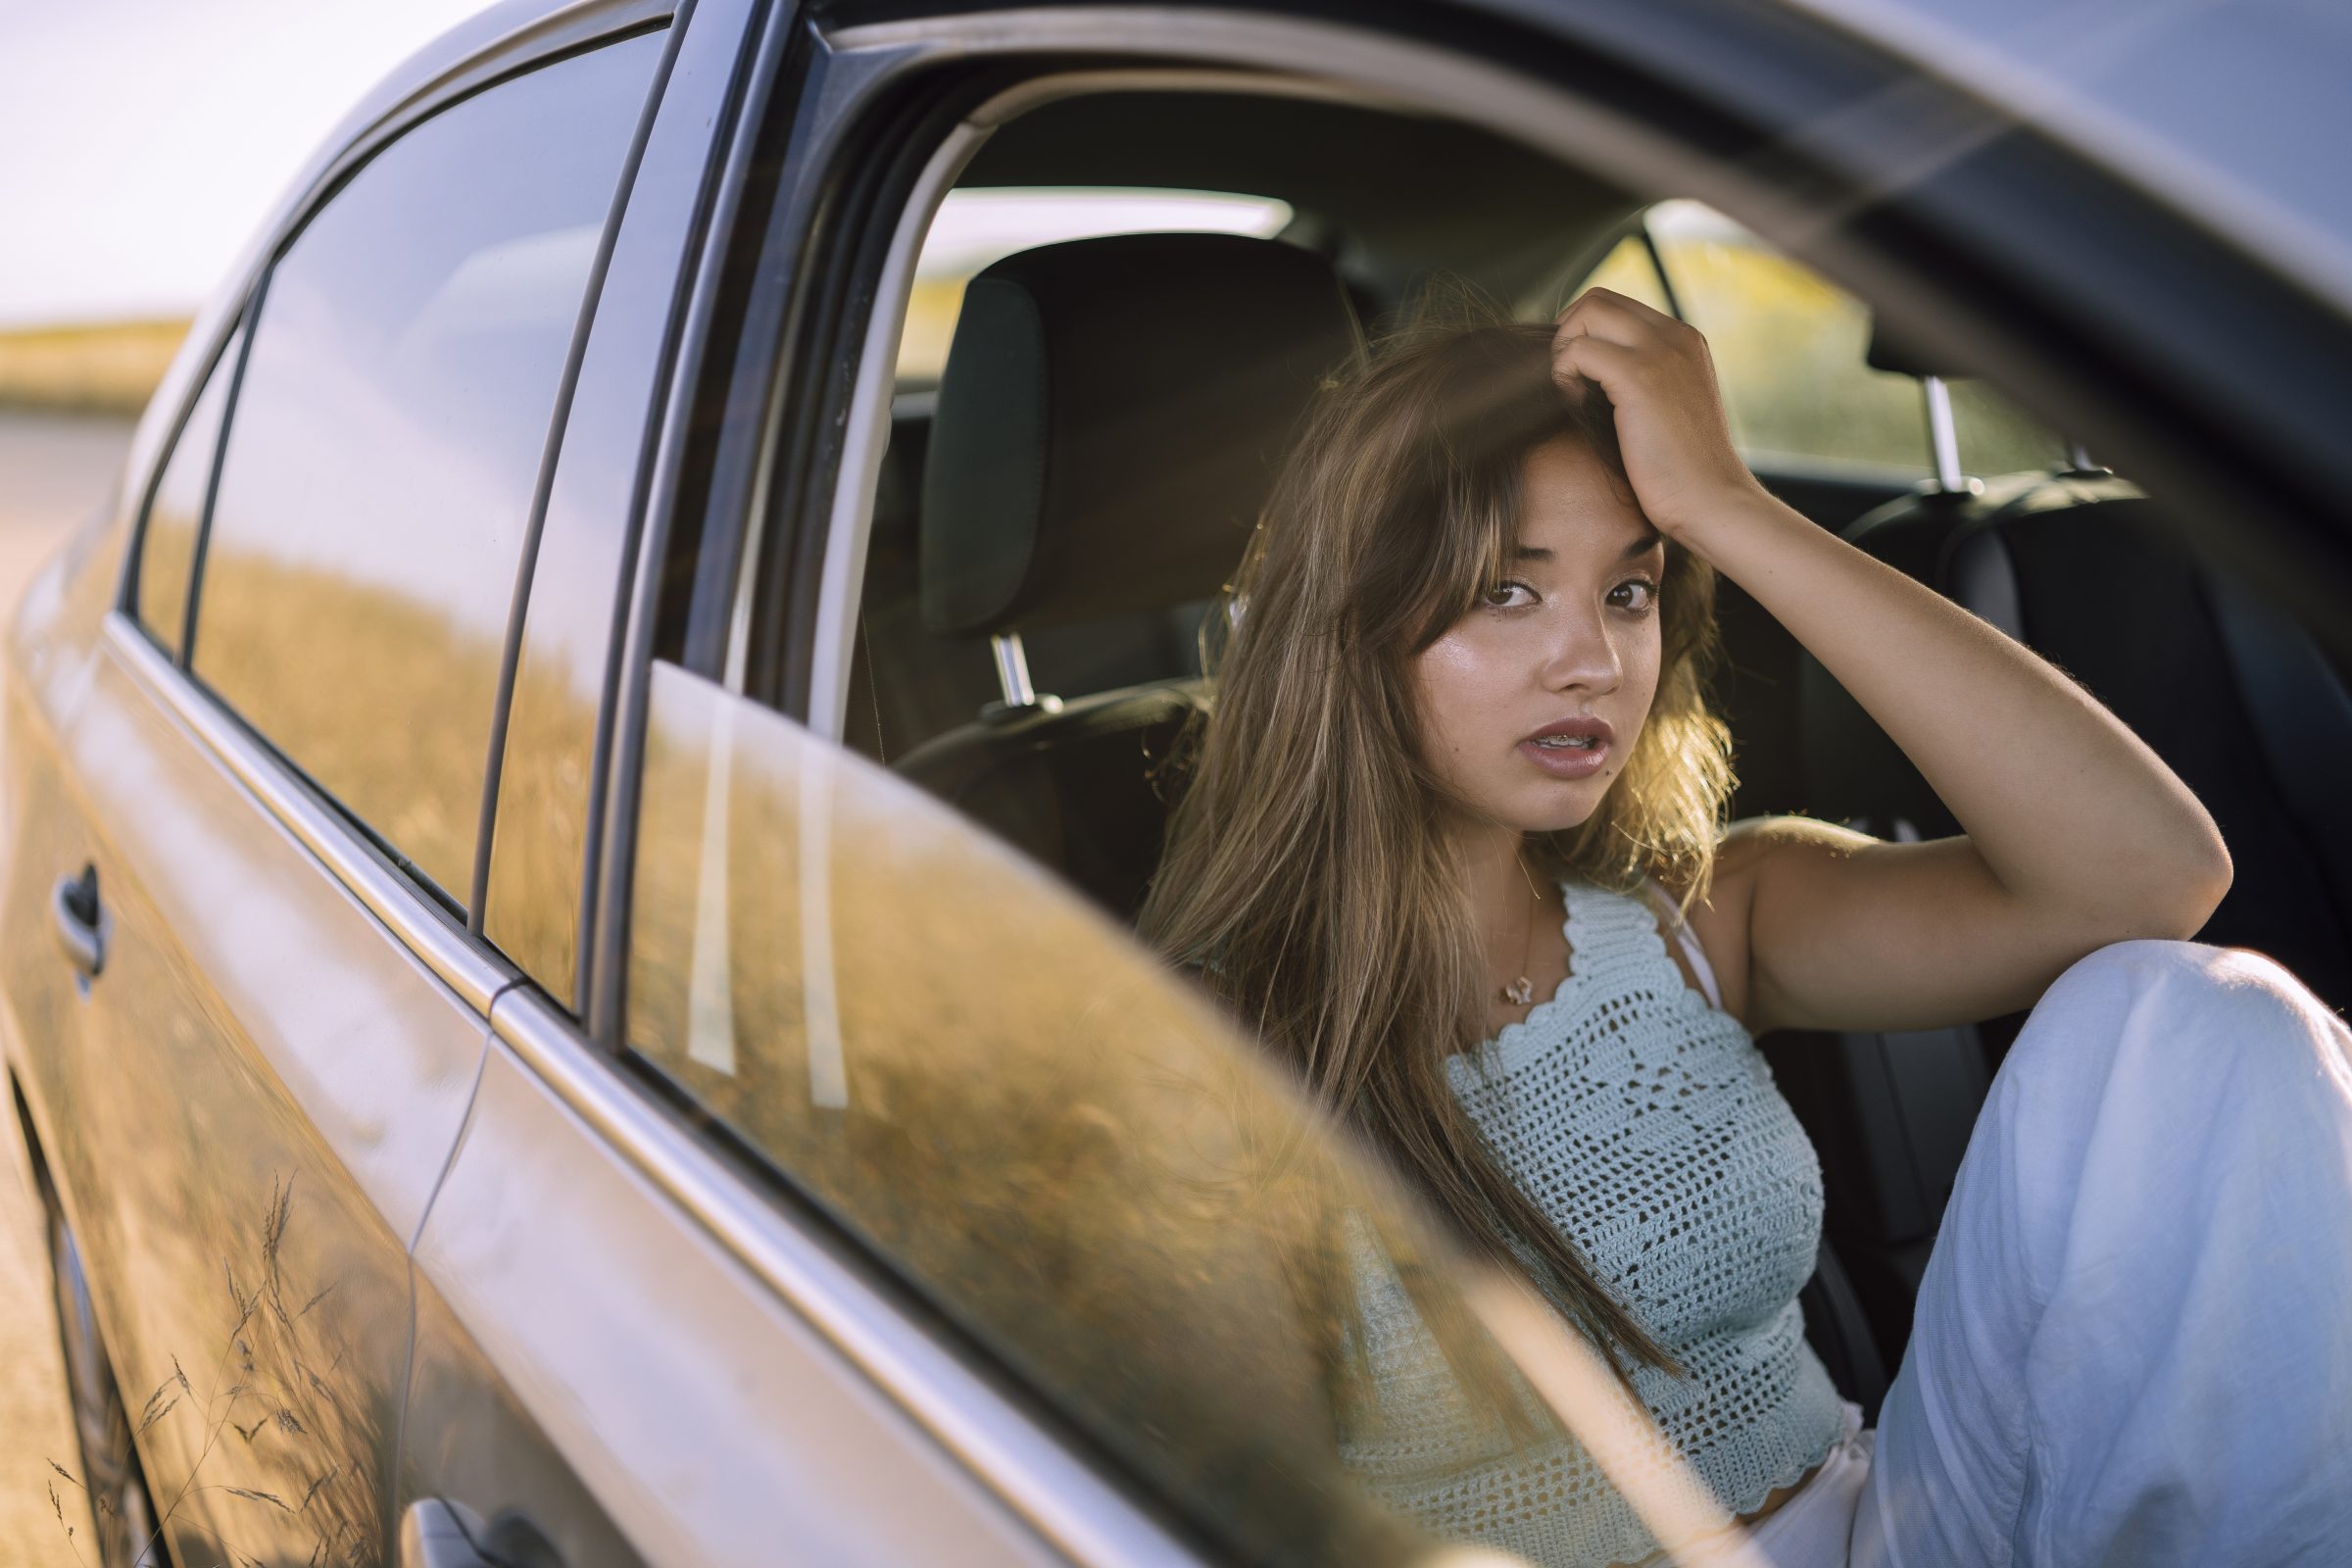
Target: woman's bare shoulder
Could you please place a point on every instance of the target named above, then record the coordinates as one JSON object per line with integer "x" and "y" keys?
{"x": 1721, "y": 917}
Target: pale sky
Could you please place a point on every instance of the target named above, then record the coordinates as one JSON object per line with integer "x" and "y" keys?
{"x": 142, "y": 142}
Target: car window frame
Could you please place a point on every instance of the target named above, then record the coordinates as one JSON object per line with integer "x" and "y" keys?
{"x": 843, "y": 93}
{"x": 485, "y": 790}
{"x": 783, "y": 531}
{"x": 1654, "y": 111}
{"x": 689, "y": 134}
{"x": 235, "y": 329}
{"x": 462, "y": 64}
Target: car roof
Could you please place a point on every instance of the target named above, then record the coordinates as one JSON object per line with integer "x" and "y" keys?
{"x": 2228, "y": 113}
{"x": 2234, "y": 112}
{"x": 1415, "y": 193}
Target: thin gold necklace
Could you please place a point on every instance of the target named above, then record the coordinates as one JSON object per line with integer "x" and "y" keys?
{"x": 1522, "y": 990}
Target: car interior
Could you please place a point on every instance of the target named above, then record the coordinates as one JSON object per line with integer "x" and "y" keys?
{"x": 1064, "y": 492}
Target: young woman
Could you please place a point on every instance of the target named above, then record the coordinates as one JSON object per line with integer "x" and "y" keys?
{"x": 1451, "y": 843}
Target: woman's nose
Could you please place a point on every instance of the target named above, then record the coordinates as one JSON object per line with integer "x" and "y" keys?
{"x": 1582, "y": 655}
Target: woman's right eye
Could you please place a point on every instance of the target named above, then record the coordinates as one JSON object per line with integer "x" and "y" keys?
{"x": 1498, "y": 597}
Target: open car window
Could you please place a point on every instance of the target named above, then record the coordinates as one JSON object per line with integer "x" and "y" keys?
{"x": 1790, "y": 351}
{"x": 891, "y": 965}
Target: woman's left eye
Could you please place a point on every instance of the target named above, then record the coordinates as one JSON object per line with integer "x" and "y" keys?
{"x": 1641, "y": 591}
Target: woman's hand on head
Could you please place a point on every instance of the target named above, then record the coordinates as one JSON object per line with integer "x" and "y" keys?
{"x": 1660, "y": 378}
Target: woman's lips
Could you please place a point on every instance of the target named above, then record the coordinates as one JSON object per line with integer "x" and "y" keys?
{"x": 1567, "y": 762}
{"x": 1579, "y": 748}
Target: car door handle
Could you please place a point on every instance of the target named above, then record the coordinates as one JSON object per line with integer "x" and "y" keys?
{"x": 434, "y": 1536}
{"x": 74, "y": 906}
{"x": 435, "y": 1533}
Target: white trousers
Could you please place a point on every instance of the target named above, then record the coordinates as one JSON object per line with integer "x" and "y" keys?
{"x": 2132, "y": 1344}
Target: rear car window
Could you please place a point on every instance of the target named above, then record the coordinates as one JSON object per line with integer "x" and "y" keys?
{"x": 981, "y": 224}
{"x": 377, "y": 481}
{"x": 1790, "y": 351}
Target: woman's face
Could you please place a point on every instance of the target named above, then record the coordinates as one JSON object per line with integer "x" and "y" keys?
{"x": 1530, "y": 704}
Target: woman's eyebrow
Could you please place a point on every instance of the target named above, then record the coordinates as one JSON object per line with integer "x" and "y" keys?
{"x": 1643, "y": 546}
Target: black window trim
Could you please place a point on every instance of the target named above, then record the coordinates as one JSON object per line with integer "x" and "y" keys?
{"x": 199, "y": 382}
{"x": 421, "y": 915}
{"x": 390, "y": 113}
{"x": 741, "y": 147}
{"x": 551, "y": 453}
{"x": 184, "y": 656}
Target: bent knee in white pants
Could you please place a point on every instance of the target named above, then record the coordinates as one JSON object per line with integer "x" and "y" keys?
{"x": 2133, "y": 1343}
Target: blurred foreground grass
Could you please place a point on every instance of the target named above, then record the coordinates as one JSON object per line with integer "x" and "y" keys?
{"x": 106, "y": 368}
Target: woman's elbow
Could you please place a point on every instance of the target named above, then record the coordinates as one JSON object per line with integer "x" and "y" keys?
{"x": 2194, "y": 887}
{"x": 2212, "y": 883}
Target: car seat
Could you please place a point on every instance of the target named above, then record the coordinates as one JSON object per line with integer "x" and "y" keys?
{"x": 1106, "y": 434}
{"x": 2236, "y": 700}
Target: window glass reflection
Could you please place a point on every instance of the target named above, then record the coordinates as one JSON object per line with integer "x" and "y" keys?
{"x": 389, "y": 430}
{"x": 1062, "y": 1148}
{"x": 168, "y": 547}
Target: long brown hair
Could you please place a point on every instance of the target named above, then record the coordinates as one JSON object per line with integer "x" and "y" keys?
{"x": 1307, "y": 873}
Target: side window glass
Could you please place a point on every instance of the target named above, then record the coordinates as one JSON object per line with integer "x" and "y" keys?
{"x": 392, "y": 418}
{"x": 1790, "y": 351}
{"x": 168, "y": 544}
{"x": 1051, "y": 1141}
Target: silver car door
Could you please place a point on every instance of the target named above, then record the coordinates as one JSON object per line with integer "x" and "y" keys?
{"x": 279, "y": 1045}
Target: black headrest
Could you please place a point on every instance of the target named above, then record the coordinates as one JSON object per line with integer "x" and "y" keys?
{"x": 1110, "y": 421}
{"x": 1890, "y": 350}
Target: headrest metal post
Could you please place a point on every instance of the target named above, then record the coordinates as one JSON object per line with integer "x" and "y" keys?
{"x": 1013, "y": 670}
{"x": 1944, "y": 433}
{"x": 2079, "y": 458}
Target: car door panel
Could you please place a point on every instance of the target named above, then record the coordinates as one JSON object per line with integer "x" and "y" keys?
{"x": 573, "y": 1322}
{"x": 263, "y": 1093}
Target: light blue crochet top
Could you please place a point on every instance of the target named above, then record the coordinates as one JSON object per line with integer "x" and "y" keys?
{"x": 1644, "y": 1121}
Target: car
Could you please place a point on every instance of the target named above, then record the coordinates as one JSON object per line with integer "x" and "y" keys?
{"x": 571, "y": 832}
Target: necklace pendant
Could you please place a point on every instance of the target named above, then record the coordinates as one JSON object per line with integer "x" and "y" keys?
{"x": 1520, "y": 992}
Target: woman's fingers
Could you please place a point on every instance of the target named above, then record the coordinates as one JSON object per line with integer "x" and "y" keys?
{"x": 1615, "y": 365}
{"x": 1605, "y": 312}
{"x": 1660, "y": 381}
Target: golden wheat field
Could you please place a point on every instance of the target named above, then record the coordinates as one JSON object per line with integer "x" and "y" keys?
{"x": 108, "y": 367}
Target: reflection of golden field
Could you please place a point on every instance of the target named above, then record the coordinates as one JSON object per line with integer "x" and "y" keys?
{"x": 374, "y": 695}
{"x": 539, "y": 839}
{"x": 1056, "y": 1141}
{"x": 386, "y": 705}
{"x": 112, "y": 369}
{"x": 1048, "y": 1133}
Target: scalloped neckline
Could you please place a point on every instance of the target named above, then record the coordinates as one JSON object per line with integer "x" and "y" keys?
{"x": 1686, "y": 997}
{"x": 1570, "y": 980}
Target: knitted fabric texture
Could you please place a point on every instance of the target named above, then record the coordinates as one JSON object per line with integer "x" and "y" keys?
{"x": 1644, "y": 1123}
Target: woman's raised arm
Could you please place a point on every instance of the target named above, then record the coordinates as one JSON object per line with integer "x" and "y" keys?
{"x": 2075, "y": 833}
